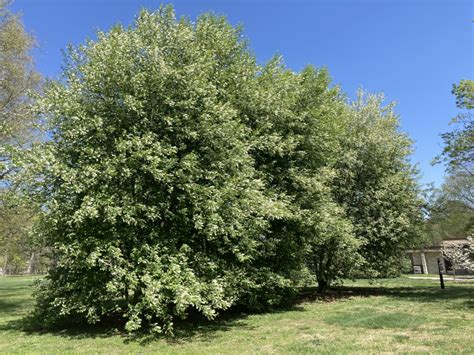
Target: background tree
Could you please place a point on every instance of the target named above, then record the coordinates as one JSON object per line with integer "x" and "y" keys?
{"x": 377, "y": 186}
{"x": 296, "y": 124}
{"x": 458, "y": 152}
{"x": 345, "y": 170}
{"x": 17, "y": 130}
{"x": 459, "y": 255}
{"x": 17, "y": 78}
{"x": 451, "y": 210}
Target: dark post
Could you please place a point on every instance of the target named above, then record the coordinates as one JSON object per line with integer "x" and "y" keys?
{"x": 441, "y": 281}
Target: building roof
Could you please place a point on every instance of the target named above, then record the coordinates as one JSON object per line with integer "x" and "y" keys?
{"x": 453, "y": 241}
{"x": 443, "y": 243}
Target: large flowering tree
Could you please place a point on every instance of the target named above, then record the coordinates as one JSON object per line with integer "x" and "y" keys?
{"x": 183, "y": 176}
{"x": 154, "y": 206}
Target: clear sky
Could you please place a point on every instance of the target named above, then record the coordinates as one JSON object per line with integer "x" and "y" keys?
{"x": 411, "y": 50}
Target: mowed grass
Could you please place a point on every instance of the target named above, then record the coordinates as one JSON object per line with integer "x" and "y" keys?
{"x": 397, "y": 315}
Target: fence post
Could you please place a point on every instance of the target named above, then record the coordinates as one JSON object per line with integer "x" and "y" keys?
{"x": 441, "y": 281}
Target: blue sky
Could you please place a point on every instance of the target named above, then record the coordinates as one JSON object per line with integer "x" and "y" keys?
{"x": 411, "y": 50}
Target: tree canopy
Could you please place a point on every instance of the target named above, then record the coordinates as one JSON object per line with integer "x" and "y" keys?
{"x": 458, "y": 152}
{"x": 182, "y": 176}
{"x": 17, "y": 130}
{"x": 452, "y": 205}
{"x": 17, "y": 77}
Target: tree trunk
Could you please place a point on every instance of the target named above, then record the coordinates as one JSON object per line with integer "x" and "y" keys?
{"x": 5, "y": 264}
{"x": 31, "y": 263}
{"x": 322, "y": 286}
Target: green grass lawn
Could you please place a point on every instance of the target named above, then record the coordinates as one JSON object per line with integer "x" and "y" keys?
{"x": 399, "y": 315}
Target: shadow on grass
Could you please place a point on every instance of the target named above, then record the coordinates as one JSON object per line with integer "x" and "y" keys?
{"x": 463, "y": 296}
{"x": 198, "y": 328}
{"x": 195, "y": 327}
{"x": 10, "y": 307}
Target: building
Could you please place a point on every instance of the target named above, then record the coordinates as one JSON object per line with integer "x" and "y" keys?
{"x": 425, "y": 260}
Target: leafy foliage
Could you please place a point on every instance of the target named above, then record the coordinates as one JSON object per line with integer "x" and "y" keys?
{"x": 154, "y": 198}
{"x": 459, "y": 255}
{"x": 458, "y": 151}
{"x": 376, "y": 185}
{"x": 451, "y": 207}
{"x": 183, "y": 176}
{"x": 17, "y": 77}
{"x": 17, "y": 131}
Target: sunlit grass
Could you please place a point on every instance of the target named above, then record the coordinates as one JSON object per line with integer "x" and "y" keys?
{"x": 398, "y": 315}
